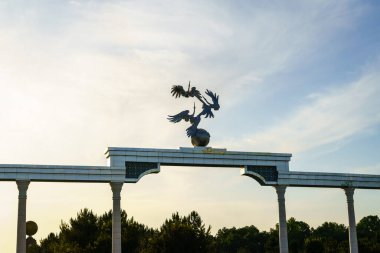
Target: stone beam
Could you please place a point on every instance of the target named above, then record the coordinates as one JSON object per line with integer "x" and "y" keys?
{"x": 200, "y": 156}
{"x": 60, "y": 173}
{"x": 330, "y": 180}
{"x": 269, "y": 176}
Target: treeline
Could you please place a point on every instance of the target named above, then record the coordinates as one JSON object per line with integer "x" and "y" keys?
{"x": 90, "y": 233}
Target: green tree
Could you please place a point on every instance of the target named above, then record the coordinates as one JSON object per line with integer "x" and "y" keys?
{"x": 81, "y": 232}
{"x": 314, "y": 245}
{"x": 271, "y": 244}
{"x": 368, "y": 231}
{"x": 245, "y": 239}
{"x": 89, "y": 233}
{"x": 134, "y": 234}
{"x": 186, "y": 234}
{"x": 49, "y": 243}
{"x": 369, "y": 227}
{"x": 298, "y": 232}
{"x": 33, "y": 249}
{"x": 334, "y": 237}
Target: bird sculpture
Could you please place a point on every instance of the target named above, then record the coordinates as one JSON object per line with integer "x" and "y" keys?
{"x": 199, "y": 136}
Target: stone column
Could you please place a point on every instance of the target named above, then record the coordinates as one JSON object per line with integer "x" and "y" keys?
{"x": 21, "y": 216}
{"x": 283, "y": 232}
{"x": 116, "y": 217}
{"x": 351, "y": 219}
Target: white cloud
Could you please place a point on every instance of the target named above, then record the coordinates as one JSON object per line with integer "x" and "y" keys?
{"x": 372, "y": 169}
{"x": 332, "y": 116}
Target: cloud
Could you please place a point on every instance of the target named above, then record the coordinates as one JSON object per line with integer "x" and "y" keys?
{"x": 329, "y": 117}
{"x": 371, "y": 169}
{"x": 76, "y": 69}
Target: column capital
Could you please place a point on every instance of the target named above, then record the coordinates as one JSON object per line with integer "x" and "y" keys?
{"x": 349, "y": 193}
{"x": 280, "y": 189}
{"x": 22, "y": 186}
{"x": 116, "y": 189}
{"x": 116, "y": 186}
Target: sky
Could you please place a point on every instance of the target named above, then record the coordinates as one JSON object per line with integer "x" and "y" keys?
{"x": 298, "y": 77}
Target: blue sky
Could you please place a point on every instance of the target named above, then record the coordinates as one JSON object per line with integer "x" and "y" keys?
{"x": 298, "y": 77}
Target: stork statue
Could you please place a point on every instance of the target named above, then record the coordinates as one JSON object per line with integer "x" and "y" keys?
{"x": 199, "y": 136}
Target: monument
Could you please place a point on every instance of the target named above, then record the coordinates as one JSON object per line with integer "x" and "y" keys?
{"x": 199, "y": 137}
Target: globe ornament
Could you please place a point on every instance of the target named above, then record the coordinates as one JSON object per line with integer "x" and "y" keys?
{"x": 199, "y": 136}
{"x": 31, "y": 228}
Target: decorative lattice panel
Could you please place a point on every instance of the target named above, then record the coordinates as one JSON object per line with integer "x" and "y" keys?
{"x": 269, "y": 173}
{"x": 135, "y": 169}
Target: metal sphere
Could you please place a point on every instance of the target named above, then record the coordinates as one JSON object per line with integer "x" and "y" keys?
{"x": 31, "y": 228}
{"x": 201, "y": 138}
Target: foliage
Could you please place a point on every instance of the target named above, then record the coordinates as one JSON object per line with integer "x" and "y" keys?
{"x": 298, "y": 231}
{"x": 246, "y": 239}
{"x": 368, "y": 230}
{"x": 181, "y": 234}
{"x": 314, "y": 245}
{"x": 333, "y": 236}
{"x": 189, "y": 234}
{"x": 88, "y": 233}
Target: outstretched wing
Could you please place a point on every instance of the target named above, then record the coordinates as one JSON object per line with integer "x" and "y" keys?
{"x": 184, "y": 115}
{"x": 207, "y": 111}
{"x": 177, "y": 91}
{"x": 215, "y": 99}
{"x": 195, "y": 93}
{"x": 191, "y": 131}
